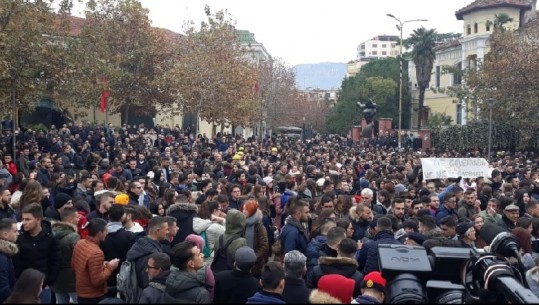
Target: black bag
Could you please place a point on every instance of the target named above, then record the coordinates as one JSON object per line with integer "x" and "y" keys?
{"x": 221, "y": 259}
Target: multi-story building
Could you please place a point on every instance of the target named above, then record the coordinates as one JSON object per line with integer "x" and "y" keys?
{"x": 317, "y": 96}
{"x": 478, "y": 20}
{"x": 378, "y": 47}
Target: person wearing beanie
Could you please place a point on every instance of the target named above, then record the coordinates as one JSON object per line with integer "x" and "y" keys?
{"x": 228, "y": 281}
{"x": 122, "y": 199}
{"x": 372, "y": 289}
{"x": 256, "y": 234}
{"x": 333, "y": 289}
{"x": 61, "y": 201}
{"x": 466, "y": 233}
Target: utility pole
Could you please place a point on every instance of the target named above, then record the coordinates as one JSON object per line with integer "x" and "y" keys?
{"x": 399, "y": 27}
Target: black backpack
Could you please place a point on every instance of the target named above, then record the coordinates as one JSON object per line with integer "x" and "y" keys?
{"x": 221, "y": 260}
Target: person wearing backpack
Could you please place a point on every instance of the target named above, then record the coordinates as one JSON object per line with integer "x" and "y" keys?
{"x": 158, "y": 269}
{"x": 88, "y": 262}
{"x": 209, "y": 225}
{"x": 117, "y": 243}
{"x": 143, "y": 247}
{"x": 229, "y": 242}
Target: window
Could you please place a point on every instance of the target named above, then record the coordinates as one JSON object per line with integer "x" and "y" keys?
{"x": 475, "y": 27}
{"x": 374, "y": 45}
{"x": 384, "y": 53}
{"x": 374, "y": 53}
{"x": 438, "y": 70}
{"x": 457, "y": 77}
{"x": 468, "y": 30}
{"x": 488, "y": 25}
{"x": 459, "y": 113}
{"x": 384, "y": 46}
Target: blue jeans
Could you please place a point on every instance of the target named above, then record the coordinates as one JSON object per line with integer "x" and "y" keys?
{"x": 63, "y": 298}
{"x": 45, "y": 296}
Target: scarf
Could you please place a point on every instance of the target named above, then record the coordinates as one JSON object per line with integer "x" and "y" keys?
{"x": 251, "y": 223}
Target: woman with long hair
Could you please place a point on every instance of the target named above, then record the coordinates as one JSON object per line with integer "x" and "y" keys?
{"x": 27, "y": 288}
{"x": 524, "y": 238}
{"x": 255, "y": 234}
{"x": 32, "y": 193}
{"x": 478, "y": 223}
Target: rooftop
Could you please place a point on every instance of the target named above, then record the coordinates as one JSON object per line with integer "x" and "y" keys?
{"x": 246, "y": 37}
{"x": 483, "y": 4}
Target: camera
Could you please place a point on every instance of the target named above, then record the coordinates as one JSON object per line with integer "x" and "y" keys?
{"x": 450, "y": 275}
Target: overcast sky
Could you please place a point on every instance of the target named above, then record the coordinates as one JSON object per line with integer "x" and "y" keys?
{"x": 306, "y": 31}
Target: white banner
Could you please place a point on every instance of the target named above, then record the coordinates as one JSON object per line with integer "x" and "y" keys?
{"x": 434, "y": 168}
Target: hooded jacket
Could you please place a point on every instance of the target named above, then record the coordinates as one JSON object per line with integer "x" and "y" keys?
{"x": 235, "y": 224}
{"x": 67, "y": 237}
{"x": 184, "y": 214}
{"x": 139, "y": 254}
{"x": 7, "y": 270}
{"x": 41, "y": 252}
{"x": 260, "y": 241}
{"x": 213, "y": 230}
{"x": 156, "y": 287}
{"x": 344, "y": 266}
{"x": 321, "y": 297}
{"x": 204, "y": 274}
{"x": 184, "y": 287}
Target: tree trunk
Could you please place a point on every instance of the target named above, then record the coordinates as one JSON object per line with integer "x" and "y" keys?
{"x": 420, "y": 107}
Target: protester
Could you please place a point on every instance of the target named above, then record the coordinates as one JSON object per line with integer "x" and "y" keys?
{"x": 272, "y": 282}
{"x": 228, "y": 281}
{"x": 28, "y": 288}
{"x": 8, "y": 249}
{"x": 88, "y": 262}
{"x": 158, "y": 269}
{"x": 372, "y": 289}
{"x": 295, "y": 267}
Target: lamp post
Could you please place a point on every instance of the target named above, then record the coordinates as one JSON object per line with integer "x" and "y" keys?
{"x": 490, "y": 103}
{"x": 399, "y": 27}
{"x": 303, "y": 131}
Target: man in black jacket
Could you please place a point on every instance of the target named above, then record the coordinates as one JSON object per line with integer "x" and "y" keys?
{"x": 38, "y": 248}
{"x": 227, "y": 282}
{"x": 117, "y": 243}
{"x": 344, "y": 264}
{"x": 295, "y": 266}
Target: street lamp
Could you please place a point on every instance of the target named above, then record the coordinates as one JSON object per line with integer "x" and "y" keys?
{"x": 490, "y": 103}
{"x": 399, "y": 27}
{"x": 303, "y": 136}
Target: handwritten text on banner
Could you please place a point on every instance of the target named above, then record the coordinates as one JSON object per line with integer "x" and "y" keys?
{"x": 434, "y": 168}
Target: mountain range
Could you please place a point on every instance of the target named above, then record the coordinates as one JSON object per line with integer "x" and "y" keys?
{"x": 324, "y": 76}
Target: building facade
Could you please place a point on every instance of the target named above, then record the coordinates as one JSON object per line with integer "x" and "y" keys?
{"x": 478, "y": 24}
{"x": 378, "y": 47}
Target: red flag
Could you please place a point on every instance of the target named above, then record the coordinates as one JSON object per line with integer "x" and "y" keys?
{"x": 104, "y": 96}
{"x": 255, "y": 88}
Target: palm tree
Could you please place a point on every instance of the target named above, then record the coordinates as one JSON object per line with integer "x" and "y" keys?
{"x": 500, "y": 20}
{"x": 423, "y": 55}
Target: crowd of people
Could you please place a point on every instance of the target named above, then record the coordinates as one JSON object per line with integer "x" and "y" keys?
{"x": 130, "y": 214}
